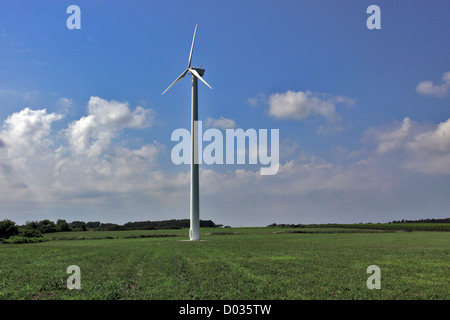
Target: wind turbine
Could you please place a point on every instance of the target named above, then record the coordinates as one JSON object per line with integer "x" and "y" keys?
{"x": 197, "y": 73}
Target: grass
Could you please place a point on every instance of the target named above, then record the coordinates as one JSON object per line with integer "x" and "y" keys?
{"x": 235, "y": 263}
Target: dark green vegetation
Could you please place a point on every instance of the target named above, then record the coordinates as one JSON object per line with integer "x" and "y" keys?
{"x": 397, "y": 226}
{"x": 305, "y": 262}
{"x": 403, "y": 225}
{"x": 32, "y": 231}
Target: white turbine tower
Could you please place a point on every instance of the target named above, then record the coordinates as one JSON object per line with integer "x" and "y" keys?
{"x": 197, "y": 73}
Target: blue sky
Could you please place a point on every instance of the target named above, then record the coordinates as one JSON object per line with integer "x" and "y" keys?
{"x": 363, "y": 114}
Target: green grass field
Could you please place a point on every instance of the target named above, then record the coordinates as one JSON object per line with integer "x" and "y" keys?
{"x": 233, "y": 263}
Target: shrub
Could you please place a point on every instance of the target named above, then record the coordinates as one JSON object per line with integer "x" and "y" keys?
{"x": 8, "y": 228}
{"x": 21, "y": 239}
{"x": 31, "y": 233}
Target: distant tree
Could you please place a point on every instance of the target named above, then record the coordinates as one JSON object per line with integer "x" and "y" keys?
{"x": 31, "y": 225}
{"x": 8, "y": 228}
{"x": 62, "y": 225}
{"x": 155, "y": 225}
{"x": 93, "y": 224}
{"x": 441, "y": 220}
{"x": 46, "y": 226}
{"x": 207, "y": 224}
{"x": 78, "y": 225}
{"x": 109, "y": 227}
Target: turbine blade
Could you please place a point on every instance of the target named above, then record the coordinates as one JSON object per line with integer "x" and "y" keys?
{"x": 195, "y": 73}
{"x": 192, "y": 47}
{"x": 178, "y": 79}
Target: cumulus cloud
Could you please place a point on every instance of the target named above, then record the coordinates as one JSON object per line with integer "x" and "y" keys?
{"x": 86, "y": 159}
{"x": 420, "y": 147}
{"x": 93, "y": 133}
{"x": 391, "y": 137}
{"x": 26, "y": 158}
{"x": 27, "y": 132}
{"x": 427, "y": 87}
{"x": 301, "y": 105}
{"x": 221, "y": 123}
{"x": 436, "y": 139}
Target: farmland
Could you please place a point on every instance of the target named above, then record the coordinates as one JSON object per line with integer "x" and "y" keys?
{"x": 321, "y": 262}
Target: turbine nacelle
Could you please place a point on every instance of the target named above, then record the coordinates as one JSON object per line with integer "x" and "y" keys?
{"x": 200, "y": 71}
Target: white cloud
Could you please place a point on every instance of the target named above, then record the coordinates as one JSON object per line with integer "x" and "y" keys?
{"x": 116, "y": 114}
{"x": 436, "y": 139}
{"x": 427, "y": 87}
{"x": 420, "y": 147}
{"x": 93, "y": 133}
{"x": 391, "y": 137}
{"x": 26, "y": 157}
{"x": 221, "y": 123}
{"x": 301, "y": 105}
{"x": 26, "y": 132}
{"x": 87, "y": 164}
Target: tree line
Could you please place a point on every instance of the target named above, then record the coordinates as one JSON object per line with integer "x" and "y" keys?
{"x": 35, "y": 229}
{"x": 445, "y": 220}
{"x": 441, "y": 220}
